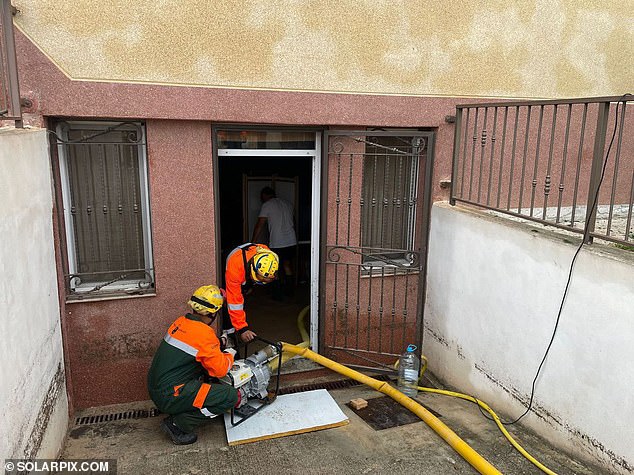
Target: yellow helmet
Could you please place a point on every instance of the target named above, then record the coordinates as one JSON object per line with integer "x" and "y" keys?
{"x": 206, "y": 299}
{"x": 264, "y": 265}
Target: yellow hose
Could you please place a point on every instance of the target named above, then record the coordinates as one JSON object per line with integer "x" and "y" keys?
{"x": 459, "y": 445}
{"x": 484, "y": 406}
{"x": 304, "y": 344}
{"x": 286, "y": 355}
{"x": 300, "y": 324}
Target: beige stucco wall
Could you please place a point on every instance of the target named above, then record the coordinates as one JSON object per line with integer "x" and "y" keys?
{"x": 541, "y": 48}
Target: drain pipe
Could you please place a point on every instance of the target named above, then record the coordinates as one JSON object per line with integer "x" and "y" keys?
{"x": 459, "y": 445}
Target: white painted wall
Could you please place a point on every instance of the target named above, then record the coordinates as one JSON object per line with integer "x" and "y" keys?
{"x": 33, "y": 400}
{"x": 493, "y": 291}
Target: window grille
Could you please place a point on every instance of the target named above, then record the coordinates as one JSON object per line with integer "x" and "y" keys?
{"x": 390, "y": 178}
{"x": 103, "y": 170}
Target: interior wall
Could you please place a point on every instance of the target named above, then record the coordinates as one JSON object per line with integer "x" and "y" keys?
{"x": 493, "y": 291}
{"x": 33, "y": 398}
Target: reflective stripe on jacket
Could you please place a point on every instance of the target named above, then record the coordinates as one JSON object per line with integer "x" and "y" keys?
{"x": 189, "y": 348}
{"x": 235, "y": 277}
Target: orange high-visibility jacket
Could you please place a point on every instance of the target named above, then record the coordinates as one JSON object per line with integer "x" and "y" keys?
{"x": 189, "y": 348}
{"x": 235, "y": 276}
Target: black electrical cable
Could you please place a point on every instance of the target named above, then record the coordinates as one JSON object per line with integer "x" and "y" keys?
{"x": 572, "y": 264}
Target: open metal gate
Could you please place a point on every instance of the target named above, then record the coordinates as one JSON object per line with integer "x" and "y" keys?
{"x": 375, "y": 221}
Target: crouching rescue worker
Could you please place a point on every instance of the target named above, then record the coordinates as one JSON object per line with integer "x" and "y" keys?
{"x": 247, "y": 265}
{"x": 189, "y": 353}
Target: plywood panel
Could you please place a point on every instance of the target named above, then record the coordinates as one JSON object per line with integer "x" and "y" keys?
{"x": 290, "y": 414}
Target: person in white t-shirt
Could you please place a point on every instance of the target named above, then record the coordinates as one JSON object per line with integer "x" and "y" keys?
{"x": 278, "y": 214}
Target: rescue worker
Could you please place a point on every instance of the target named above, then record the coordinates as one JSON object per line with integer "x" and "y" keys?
{"x": 190, "y": 353}
{"x": 247, "y": 265}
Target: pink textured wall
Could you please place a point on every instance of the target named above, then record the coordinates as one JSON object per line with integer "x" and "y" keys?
{"x": 109, "y": 344}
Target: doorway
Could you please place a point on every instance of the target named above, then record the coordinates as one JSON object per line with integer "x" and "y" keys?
{"x": 248, "y": 159}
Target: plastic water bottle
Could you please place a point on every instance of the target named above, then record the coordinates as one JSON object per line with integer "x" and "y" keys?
{"x": 408, "y": 369}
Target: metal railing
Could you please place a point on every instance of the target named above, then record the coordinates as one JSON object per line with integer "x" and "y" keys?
{"x": 563, "y": 163}
{"x": 9, "y": 88}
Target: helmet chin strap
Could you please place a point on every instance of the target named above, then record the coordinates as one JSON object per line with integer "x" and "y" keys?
{"x": 211, "y": 317}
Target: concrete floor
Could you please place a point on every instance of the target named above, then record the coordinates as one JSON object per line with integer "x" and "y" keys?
{"x": 141, "y": 448}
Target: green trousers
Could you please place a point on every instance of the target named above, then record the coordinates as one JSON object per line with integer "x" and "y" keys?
{"x": 189, "y": 409}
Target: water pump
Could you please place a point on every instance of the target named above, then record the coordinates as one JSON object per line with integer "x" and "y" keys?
{"x": 251, "y": 377}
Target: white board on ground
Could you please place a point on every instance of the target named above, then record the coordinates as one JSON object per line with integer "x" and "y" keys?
{"x": 288, "y": 415}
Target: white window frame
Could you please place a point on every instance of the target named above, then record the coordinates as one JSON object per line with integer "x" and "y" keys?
{"x": 123, "y": 287}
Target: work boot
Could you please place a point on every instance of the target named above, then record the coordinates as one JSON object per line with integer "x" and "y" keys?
{"x": 178, "y": 436}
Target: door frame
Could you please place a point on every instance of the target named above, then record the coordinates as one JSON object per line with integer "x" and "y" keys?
{"x": 316, "y": 200}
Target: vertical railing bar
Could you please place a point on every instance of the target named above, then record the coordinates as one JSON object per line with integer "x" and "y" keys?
{"x": 403, "y": 199}
{"x": 475, "y": 139}
{"x": 369, "y": 324}
{"x": 113, "y": 186}
{"x": 629, "y": 212}
{"x": 595, "y": 173}
{"x": 349, "y": 198}
{"x": 394, "y": 189}
{"x": 405, "y": 307}
{"x": 456, "y": 157}
{"x": 90, "y": 182}
{"x": 359, "y": 268}
{"x": 615, "y": 178}
{"x": 337, "y": 198}
{"x": 335, "y": 304}
{"x": 105, "y": 186}
{"x": 562, "y": 176}
{"x": 483, "y": 142}
{"x": 335, "y": 266}
{"x": 13, "y": 84}
{"x": 464, "y": 153}
{"x": 524, "y": 156}
{"x": 386, "y": 172}
{"x": 373, "y": 204}
{"x": 394, "y": 302}
{"x": 120, "y": 186}
{"x": 380, "y": 332}
{"x": 75, "y": 204}
{"x": 412, "y": 199}
{"x": 579, "y": 157}
{"x": 345, "y": 306}
{"x": 136, "y": 170}
{"x": 493, "y": 139}
{"x": 506, "y": 114}
{"x": 517, "y": 115}
{"x": 535, "y": 168}
{"x": 547, "y": 180}
{"x": 362, "y": 204}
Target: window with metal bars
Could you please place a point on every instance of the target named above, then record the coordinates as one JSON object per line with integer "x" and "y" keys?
{"x": 103, "y": 171}
{"x": 390, "y": 178}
